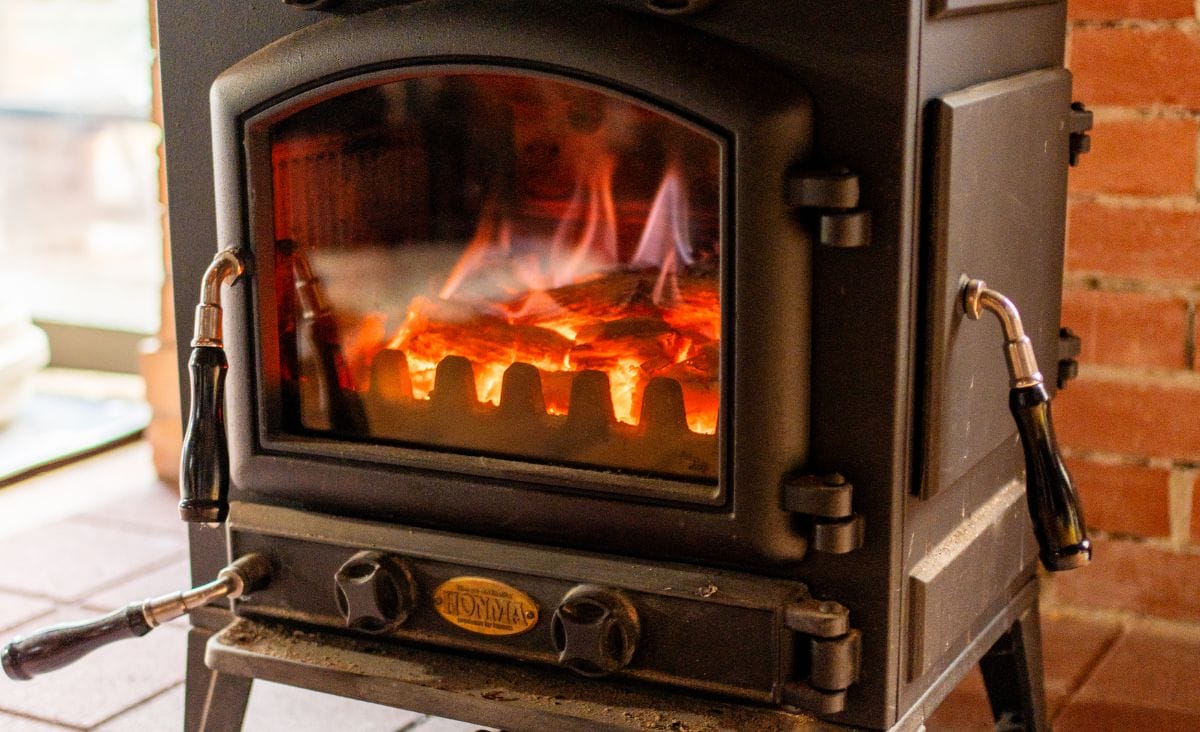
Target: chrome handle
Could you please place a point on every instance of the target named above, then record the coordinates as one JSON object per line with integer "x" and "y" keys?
{"x": 61, "y": 645}
{"x": 1053, "y": 503}
{"x": 204, "y": 460}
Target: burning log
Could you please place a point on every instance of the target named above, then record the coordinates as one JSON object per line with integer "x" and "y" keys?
{"x": 623, "y": 328}
{"x": 605, "y": 346}
{"x": 568, "y": 330}
{"x": 439, "y": 327}
{"x": 598, "y": 299}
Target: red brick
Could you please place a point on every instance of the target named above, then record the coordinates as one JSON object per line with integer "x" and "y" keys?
{"x": 1145, "y": 419}
{"x": 1149, "y": 670}
{"x": 1196, "y": 511}
{"x": 1140, "y": 242}
{"x": 1139, "y": 9}
{"x": 1147, "y": 157}
{"x": 1133, "y": 577}
{"x": 1136, "y": 66}
{"x": 1128, "y": 328}
{"x": 1124, "y": 499}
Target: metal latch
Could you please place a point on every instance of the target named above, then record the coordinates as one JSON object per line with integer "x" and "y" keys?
{"x": 834, "y": 653}
{"x": 1081, "y": 122}
{"x": 836, "y": 529}
{"x": 831, "y": 199}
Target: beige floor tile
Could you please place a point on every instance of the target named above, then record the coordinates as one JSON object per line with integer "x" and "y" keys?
{"x": 71, "y": 560}
{"x": 103, "y": 683}
{"x": 171, "y": 577}
{"x": 279, "y": 708}
{"x": 163, "y": 712}
{"x": 18, "y": 609}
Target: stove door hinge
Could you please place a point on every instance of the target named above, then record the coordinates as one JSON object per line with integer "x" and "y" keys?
{"x": 833, "y": 651}
{"x": 826, "y": 500}
{"x": 1069, "y": 346}
{"x": 1081, "y": 122}
{"x": 829, "y": 201}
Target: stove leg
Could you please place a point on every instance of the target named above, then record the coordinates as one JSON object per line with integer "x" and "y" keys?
{"x": 213, "y": 702}
{"x": 1012, "y": 673}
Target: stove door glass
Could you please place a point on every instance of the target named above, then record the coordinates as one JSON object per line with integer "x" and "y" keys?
{"x": 500, "y": 263}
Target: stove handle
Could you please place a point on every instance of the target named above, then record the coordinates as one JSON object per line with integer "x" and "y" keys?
{"x": 1053, "y": 503}
{"x": 204, "y": 461}
{"x": 52, "y": 648}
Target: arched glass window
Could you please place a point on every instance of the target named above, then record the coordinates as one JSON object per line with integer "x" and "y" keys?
{"x": 503, "y": 263}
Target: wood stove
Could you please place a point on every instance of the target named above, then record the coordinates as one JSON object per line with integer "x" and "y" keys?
{"x": 603, "y": 364}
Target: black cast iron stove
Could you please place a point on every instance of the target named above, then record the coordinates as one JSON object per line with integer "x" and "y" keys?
{"x": 601, "y": 364}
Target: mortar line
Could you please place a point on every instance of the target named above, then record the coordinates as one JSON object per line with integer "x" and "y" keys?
{"x": 1175, "y": 203}
{"x": 1155, "y": 543}
{"x": 1103, "y": 457}
{"x": 1143, "y": 111}
{"x": 1184, "y": 24}
{"x": 1098, "y": 281}
{"x": 1180, "y": 489}
{"x": 43, "y": 720}
{"x": 1140, "y": 375}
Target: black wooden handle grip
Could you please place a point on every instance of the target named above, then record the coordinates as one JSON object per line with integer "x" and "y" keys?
{"x": 60, "y": 645}
{"x": 204, "y": 463}
{"x": 1053, "y": 504}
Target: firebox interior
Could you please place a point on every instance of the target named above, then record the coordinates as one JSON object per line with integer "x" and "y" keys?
{"x": 502, "y": 263}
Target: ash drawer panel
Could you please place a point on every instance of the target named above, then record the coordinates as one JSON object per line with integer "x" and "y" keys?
{"x": 713, "y": 631}
{"x": 951, "y": 589}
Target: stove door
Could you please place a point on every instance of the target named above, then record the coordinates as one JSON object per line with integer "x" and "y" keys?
{"x": 535, "y": 255}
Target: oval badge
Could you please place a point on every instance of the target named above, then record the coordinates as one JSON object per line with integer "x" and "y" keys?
{"x": 485, "y": 606}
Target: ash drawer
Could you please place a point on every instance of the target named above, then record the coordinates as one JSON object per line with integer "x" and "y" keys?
{"x": 733, "y": 634}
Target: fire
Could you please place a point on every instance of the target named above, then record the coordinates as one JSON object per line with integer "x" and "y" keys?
{"x": 570, "y": 301}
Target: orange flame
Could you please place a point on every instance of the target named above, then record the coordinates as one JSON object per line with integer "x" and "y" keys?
{"x": 572, "y": 304}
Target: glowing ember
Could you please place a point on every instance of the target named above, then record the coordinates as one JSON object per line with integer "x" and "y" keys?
{"x": 574, "y": 305}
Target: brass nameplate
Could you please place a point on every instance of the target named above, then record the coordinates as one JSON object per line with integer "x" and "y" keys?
{"x": 485, "y": 606}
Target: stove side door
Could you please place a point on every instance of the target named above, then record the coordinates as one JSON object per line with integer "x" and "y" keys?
{"x": 997, "y": 188}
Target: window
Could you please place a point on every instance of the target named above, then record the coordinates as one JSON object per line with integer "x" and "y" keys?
{"x": 508, "y": 263}
{"x": 80, "y": 230}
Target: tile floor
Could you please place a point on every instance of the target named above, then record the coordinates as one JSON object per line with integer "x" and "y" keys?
{"x": 98, "y": 534}
{"x": 1103, "y": 673}
{"x": 82, "y": 540}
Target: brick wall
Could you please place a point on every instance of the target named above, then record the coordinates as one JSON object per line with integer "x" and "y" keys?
{"x": 1131, "y": 422}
